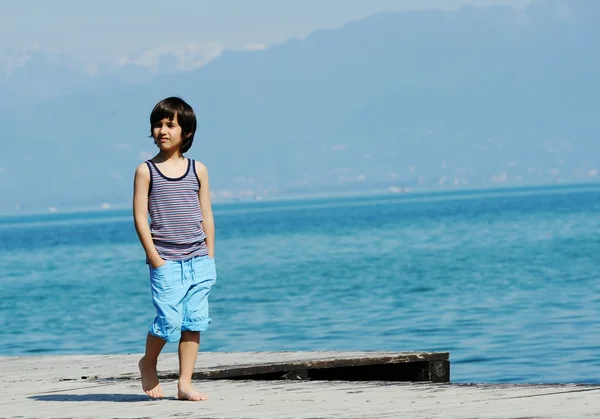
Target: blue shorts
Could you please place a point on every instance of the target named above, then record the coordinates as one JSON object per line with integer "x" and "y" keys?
{"x": 180, "y": 292}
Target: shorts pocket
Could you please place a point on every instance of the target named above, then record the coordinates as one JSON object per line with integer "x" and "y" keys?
{"x": 163, "y": 266}
{"x": 162, "y": 278}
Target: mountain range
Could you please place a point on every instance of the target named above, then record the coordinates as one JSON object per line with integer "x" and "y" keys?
{"x": 396, "y": 101}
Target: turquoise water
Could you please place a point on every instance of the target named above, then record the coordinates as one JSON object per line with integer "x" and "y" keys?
{"x": 507, "y": 282}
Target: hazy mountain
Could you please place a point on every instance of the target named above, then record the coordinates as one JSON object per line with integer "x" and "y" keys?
{"x": 165, "y": 59}
{"x": 473, "y": 97}
{"x": 32, "y": 76}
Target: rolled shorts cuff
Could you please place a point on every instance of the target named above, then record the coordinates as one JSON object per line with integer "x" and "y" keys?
{"x": 196, "y": 326}
{"x": 175, "y": 336}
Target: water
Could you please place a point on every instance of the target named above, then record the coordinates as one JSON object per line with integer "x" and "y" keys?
{"x": 508, "y": 283}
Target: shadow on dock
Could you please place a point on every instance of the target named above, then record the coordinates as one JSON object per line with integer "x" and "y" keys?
{"x": 119, "y": 398}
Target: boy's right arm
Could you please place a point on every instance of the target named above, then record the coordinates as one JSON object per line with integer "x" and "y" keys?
{"x": 141, "y": 186}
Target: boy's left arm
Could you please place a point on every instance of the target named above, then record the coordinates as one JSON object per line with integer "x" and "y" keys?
{"x": 208, "y": 222}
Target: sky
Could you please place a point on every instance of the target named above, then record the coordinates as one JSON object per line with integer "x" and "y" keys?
{"x": 97, "y": 31}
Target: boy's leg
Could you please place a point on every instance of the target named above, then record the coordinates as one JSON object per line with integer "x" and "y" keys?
{"x": 167, "y": 296}
{"x": 147, "y": 366}
{"x": 188, "y": 352}
{"x": 202, "y": 275}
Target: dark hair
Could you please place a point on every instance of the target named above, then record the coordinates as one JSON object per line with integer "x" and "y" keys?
{"x": 169, "y": 108}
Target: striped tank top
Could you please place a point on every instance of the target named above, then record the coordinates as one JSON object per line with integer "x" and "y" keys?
{"x": 175, "y": 214}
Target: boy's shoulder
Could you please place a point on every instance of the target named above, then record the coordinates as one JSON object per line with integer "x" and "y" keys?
{"x": 142, "y": 169}
{"x": 200, "y": 167}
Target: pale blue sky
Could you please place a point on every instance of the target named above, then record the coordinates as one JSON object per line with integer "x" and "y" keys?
{"x": 94, "y": 31}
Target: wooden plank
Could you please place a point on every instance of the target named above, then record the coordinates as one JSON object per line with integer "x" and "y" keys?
{"x": 439, "y": 371}
{"x": 362, "y": 366}
{"x": 213, "y": 365}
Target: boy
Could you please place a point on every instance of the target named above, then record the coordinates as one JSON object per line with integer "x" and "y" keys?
{"x": 179, "y": 244}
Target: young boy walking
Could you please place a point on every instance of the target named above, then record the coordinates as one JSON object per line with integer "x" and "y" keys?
{"x": 179, "y": 243}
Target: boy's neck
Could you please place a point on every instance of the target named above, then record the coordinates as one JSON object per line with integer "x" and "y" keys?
{"x": 170, "y": 156}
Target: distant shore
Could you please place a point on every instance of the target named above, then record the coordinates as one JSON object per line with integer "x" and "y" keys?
{"x": 409, "y": 194}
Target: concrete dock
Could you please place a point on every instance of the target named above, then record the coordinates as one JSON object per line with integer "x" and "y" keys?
{"x": 278, "y": 385}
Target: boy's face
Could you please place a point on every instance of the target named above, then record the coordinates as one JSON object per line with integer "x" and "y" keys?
{"x": 167, "y": 134}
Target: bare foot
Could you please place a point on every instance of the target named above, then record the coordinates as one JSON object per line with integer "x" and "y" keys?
{"x": 187, "y": 392}
{"x": 150, "y": 383}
